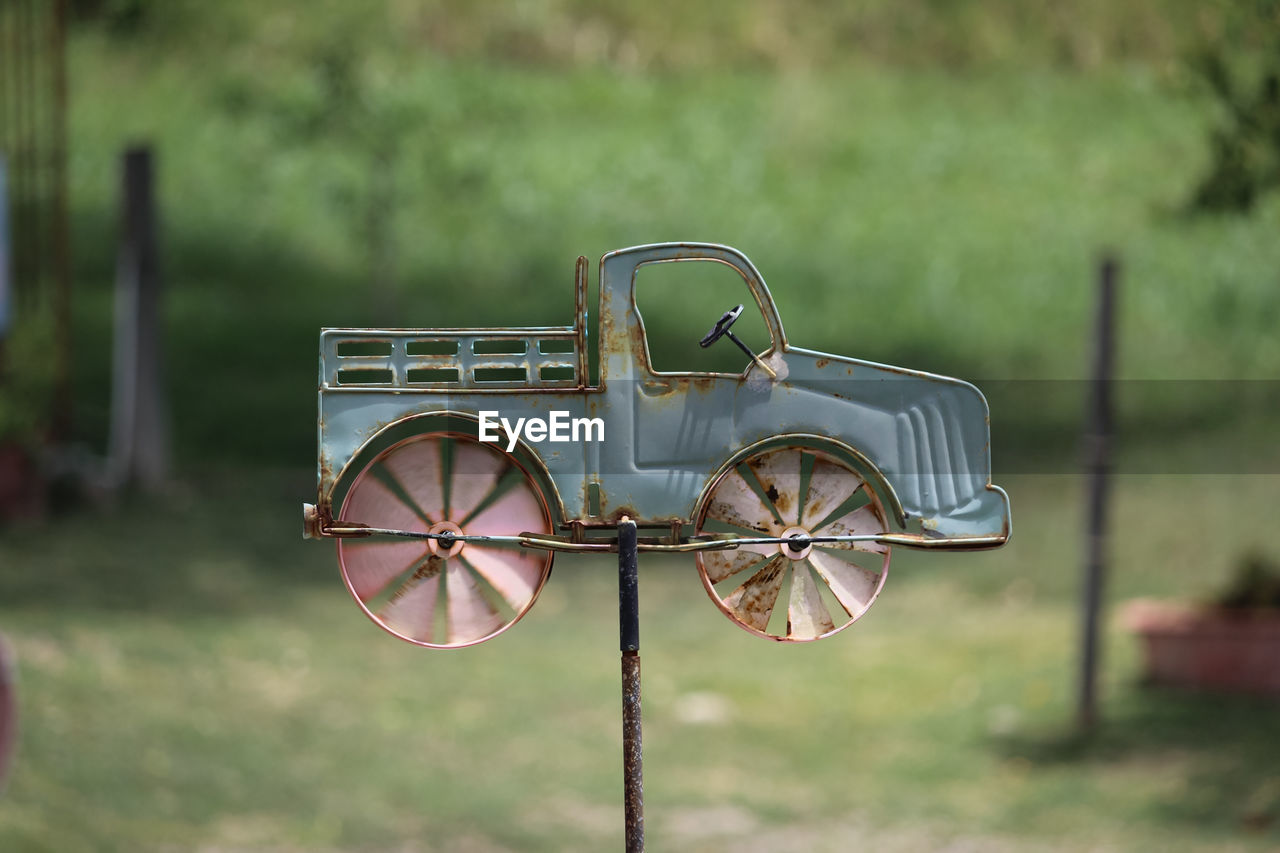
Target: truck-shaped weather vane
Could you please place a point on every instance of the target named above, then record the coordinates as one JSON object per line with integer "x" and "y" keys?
{"x": 454, "y": 464}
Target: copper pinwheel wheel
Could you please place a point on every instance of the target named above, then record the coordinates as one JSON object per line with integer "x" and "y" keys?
{"x": 444, "y": 594}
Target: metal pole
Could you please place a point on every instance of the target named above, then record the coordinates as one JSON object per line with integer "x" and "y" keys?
{"x": 1097, "y": 447}
{"x": 629, "y": 643}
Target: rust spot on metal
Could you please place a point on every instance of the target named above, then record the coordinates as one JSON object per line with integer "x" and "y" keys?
{"x": 580, "y": 320}
{"x": 619, "y": 513}
{"x": 377, "y": 427}
{"x": 576, "y": 532}
{"x": 429, "y": 569}
{"x": 753, "y": 601}
{"x": 821, "y": 363}
{"x": 312, "y": 527}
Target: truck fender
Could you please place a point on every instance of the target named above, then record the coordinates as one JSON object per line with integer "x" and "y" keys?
{"x": 448, "y": 422}
{"x": 846, "y": 453}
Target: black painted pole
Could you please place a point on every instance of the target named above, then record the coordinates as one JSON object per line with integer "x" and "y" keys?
{"x": 629, "y": 643}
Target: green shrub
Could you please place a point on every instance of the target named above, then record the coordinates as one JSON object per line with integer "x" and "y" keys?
{"x": 27, "y": 376}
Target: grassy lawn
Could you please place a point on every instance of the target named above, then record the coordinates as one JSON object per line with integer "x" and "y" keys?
{"x": 183, "y": 688}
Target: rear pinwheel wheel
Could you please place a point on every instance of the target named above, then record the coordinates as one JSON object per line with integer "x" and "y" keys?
{"x": 444, "y": 593}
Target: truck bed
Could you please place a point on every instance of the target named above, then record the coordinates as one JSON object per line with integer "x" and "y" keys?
{"x": 495, "y": 359}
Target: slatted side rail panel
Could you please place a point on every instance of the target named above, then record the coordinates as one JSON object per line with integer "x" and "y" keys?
{"x": 481, "y": 359}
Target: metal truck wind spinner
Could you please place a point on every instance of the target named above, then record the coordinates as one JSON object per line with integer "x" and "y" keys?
{"x": 454, "y": 463}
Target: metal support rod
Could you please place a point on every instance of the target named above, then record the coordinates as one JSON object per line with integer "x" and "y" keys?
{"x": 1097, "y": 447}
{"x": 629, "y": 643}
{"x": 751, "y": 355}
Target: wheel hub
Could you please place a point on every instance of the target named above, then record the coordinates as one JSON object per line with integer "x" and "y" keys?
{"x": 445, "y": 547}
{"x": 793, "y": 549}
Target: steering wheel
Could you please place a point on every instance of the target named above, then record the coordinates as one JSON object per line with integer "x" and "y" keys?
{"x": 722, "y": 325}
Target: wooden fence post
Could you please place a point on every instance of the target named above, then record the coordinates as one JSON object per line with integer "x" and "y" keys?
{"x": 139, "y": 433}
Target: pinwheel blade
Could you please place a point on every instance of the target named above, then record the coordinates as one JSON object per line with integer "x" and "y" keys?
{"x": 371, "y": 503}
{"x": 753, "y": 602}
{"x": 779, "y": 476}
{"x": 372, "y": 564}
{"x": 516, "y": 575}
{"x": 829, "y": 486}
{"x": 417, "y": 468}
{"x": 853, "y": 586}
{"x": 476, "y": 469}
{"x": 411, "y": 613}
{"x": 518, "y": 511}
{"x": 861, "y": 522}
{"x": 736, "y": 503}
{"x": 470, "y": 615}
{"x": 723, "y": 564}
{"x": 807, "y": 616}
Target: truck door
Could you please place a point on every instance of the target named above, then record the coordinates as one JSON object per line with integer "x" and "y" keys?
{"x": 668, "y": 427}
{"x": 686, "y": 395}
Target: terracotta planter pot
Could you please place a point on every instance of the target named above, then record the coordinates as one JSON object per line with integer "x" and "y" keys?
{"x": 1207, "y": 648}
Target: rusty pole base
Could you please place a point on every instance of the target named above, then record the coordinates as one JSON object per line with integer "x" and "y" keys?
{"x": 632, "y": 759}
{"x": 629, "y": 642}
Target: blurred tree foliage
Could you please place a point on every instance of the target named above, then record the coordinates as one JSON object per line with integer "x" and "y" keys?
{"x": 1245, "y": 145}
{"x": 356, "y": 104}
{"x": 673, "y": 34}
{"x": 433, "y": 146}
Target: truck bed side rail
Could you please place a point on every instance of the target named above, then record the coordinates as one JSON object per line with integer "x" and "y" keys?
{"x": 438, "y": 360}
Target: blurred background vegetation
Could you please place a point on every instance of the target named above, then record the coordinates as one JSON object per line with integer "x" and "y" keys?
{"x": 921, "y": 183}
{"x": 945, "y": 174}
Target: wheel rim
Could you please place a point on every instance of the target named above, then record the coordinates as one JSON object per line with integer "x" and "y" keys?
{"x": 825, "y": 588}
{"x": 423, "y": 591}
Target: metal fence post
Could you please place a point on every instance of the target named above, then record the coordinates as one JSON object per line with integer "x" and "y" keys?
{"x": 1097, "y": 438}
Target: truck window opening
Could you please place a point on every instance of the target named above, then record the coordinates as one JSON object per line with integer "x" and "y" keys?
{"x": 679, "y": 302}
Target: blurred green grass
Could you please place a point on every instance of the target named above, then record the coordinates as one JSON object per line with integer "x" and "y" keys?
{"x": 182, "y": 688}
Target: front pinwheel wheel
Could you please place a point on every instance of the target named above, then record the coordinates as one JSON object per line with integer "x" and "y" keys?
{"x": 795, "y": 494}
{"x": 444, "y": 593}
